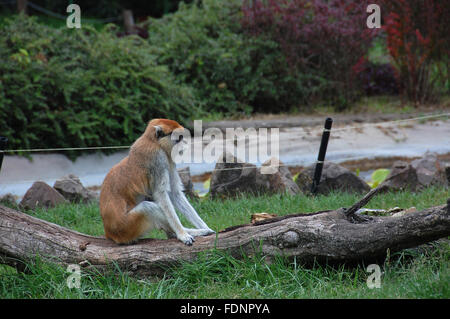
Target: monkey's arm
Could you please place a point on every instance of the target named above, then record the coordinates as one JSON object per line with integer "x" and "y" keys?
{"x": 181, "y": 203}
{"x": 160, "y": 194}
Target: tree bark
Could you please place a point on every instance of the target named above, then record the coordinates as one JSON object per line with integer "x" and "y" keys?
{"x": 323, "y": 236}
{"x": 22, "y": 6}
{"x": 128, "y": 21}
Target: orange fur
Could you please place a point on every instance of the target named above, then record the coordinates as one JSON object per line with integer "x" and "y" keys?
{"x": 127, "y": 182}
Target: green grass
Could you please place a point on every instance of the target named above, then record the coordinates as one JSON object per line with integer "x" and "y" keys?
{"x": 412, "y": 273}
{"x": 378, "y": 52}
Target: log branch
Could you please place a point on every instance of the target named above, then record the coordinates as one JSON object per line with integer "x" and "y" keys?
{"x": 323, "y": 236}
{"x": 351, "y": 212}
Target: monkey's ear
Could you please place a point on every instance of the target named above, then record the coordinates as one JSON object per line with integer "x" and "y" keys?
{"x": 158, "y": 132}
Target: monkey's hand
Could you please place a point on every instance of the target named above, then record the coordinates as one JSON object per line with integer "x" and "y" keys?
{"x": 186, "y": 239}
{"x": 199, "y": 232}
{"x": 206, "y": 231}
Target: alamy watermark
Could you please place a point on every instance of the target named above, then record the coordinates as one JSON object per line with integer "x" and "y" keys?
{"x": 373, "y": 20}
{"x": 250, "y": 145}
{"x": 374, "y": 279}
{"x": 74, "y": 279}
{"x": 74, "y": 19}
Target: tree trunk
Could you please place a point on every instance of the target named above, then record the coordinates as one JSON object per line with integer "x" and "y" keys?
{"x": 22, "y": 6}
{"x": 323, "y": 236}
{"x": 128, "y": 21}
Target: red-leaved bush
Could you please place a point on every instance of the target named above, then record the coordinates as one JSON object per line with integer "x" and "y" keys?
{"x": 418, "y": 39}
{"x": 327, "y": 40}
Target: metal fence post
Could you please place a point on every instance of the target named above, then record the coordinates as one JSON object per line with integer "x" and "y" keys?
{"x": 3, "y": 143}
{"x": 321, "y": 157}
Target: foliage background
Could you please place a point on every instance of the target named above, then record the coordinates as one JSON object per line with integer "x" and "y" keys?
{"x": 63, "y": 87}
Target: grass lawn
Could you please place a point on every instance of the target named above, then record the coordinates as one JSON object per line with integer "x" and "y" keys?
{"x": 413, "y": 273}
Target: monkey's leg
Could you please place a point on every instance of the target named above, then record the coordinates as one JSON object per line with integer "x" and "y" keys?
{"x": 159, "y": 221}
{"x": 155, "y": 216}
{"x": 163, "y": 200}
{"x": 153, "y": 213}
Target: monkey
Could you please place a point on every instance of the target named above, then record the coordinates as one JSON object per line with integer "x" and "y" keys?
{"x": 148, "y": 172}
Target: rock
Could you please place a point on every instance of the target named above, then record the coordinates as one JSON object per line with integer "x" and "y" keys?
{"x": 8, "y": 199}
{"x": 447, "y": 173}
{"x": 429, "y": 171}
{"x": 231, "y": 177}
{"x": 71, "y": 188}
{"x": 401, "y": 177}
{"x": 41, "y": 194}
{"x": 185, "y": 176}
{"x": 280, "y": 181}
{"x": 416, "y": 175}
{"x": 334, "y": 177}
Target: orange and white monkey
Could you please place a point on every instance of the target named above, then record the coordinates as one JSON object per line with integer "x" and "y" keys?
{"x": 148, "y": 171}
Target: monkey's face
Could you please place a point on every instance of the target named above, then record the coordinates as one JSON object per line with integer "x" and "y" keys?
{"x": 168, "y": 140}
{"x": 168, "y": 133}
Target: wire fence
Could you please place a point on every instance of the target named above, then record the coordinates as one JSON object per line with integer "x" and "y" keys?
{"x": 25, "y": 181}
{"x": 290, "y": 164}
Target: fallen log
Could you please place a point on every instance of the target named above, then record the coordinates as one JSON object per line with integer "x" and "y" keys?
{"x": 323, "y": 236}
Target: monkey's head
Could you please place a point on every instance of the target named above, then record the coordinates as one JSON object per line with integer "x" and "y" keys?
{"x": 167, "y": 133}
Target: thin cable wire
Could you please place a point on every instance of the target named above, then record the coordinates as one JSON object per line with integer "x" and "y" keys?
{"x": 342, "y": 159}
{"x": 64, "y": 149}
{"x": 390, "y": 122}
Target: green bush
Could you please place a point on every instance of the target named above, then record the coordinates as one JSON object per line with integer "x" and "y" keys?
{"x": 204, "y": 46}
{"x": 68, "y": 87}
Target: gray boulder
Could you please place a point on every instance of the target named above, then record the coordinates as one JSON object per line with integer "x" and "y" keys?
{"x": 401, "y": 177}
{"x": 41, "y": 194}
{"x": 429, "y": 171}
{"x": 73, "y": 190}
{"x": 185, "y": 176}
{"x": 447, "y": 173}
{"x": 8, "y": 199}
{"x": 418, "y": 174}
{"x": 280, "y": 181}
{"x": 334, "y": 177}
{"x": 232, "y": 177}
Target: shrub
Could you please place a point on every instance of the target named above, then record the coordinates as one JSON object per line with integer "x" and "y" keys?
{"x": 321, "y": 39}
{"x": 80, "y": 88}
{"x": 204, "y": 46}
{"x": 378, "y": 79}
{"x": 418, "y": 41}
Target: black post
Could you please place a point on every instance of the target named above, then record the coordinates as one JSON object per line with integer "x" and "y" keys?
{"x": 3, "y": 143}
{"x": 321, "y": 157}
